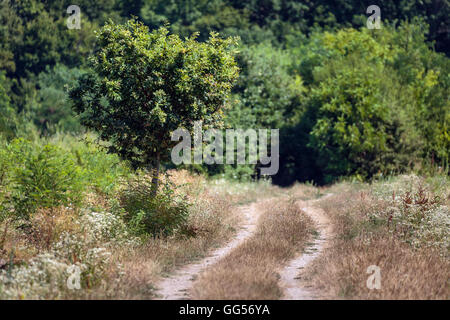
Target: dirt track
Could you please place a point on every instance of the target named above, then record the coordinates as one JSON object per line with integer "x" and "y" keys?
{"x": 290, "y": 281}
{"x": 177, "y": 286}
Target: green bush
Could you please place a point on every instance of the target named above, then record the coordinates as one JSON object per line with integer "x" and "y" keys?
{"x": 148, "y": 214}
{"x": 101, "y": 170}
{"x": 354, "y": 131}
{"x": 376, "y": 103}
{"x": 47, "y": 173}
{"x": 42, "y": 176}
{"x": 5, "y": 163}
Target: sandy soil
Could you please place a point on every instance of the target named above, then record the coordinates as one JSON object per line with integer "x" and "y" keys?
{"x": 177, "y": 286}
{"x": 291, "y": 275}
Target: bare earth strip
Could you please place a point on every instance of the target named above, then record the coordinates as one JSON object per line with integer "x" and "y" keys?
{"x": 290, "y": 282}
{"x": 176, "y": 286}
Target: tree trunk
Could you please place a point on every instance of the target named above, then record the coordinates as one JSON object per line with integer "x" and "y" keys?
{"x": 155, "y": 179}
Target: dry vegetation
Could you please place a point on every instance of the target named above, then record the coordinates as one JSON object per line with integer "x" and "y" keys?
{"x": 35, "y": 257}
{"x": 250, "y": 271}
{"x": 400, "y": 226}
{"x": 211, "y": 222}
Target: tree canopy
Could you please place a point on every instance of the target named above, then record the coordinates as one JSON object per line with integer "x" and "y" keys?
{"x": 145, "y": 85}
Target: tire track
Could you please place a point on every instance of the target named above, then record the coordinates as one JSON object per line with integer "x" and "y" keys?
{"x": 178, "y": 285}
{"x": 293, "y": 287}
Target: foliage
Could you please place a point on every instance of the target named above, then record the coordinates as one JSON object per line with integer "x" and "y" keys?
{"x": 187, "y": 17}
{"x": 42, "y": 176}
{"x": 289, "y": 50}
{"x": 368, "y": 110}
{"x": 101, "y": 170}
{"x": 7, "y": 114}
{"x": 51, "y": 109}
{"x": 266, "y": 92}
{"x": 147, "y": 214}
{"x": 146, "y": 85}
{"x": 265, "y": 96}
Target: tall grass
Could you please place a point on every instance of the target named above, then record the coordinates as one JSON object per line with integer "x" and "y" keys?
{"x": 399, "y": 224}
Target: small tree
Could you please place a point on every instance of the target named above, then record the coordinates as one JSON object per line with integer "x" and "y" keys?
{"x": 143, "y": 86}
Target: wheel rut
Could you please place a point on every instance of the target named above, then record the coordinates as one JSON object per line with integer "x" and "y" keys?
{"x": 178, "y": 285}
{"x": 291, "y": 282}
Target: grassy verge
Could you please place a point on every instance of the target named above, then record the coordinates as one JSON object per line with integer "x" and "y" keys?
{"x": 400, "y": 225}
{"x": 250, "y": 271}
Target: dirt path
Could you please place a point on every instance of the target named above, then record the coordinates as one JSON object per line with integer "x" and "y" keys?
{"x": 177, "y": 286}
{"x": 290, "y": 281}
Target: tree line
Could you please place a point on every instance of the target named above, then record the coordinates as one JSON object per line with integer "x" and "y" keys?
{"x": 348, "y": 101}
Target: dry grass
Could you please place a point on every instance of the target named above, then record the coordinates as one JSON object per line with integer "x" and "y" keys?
{"x": 399, "y": 225}
{"x": 250, "y": 271}
{"x": 132, "y": 269}
{"x": 405, "y": 274}
{"x": 407, "y": 271}
{"x": 215, "y": 224}
{"x": 43, "y": 229}
{"x": 245, "y": 192}
{"x": 212, "y": 221}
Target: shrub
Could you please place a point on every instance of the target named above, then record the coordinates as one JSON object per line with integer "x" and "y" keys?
{"x": 101, "y": 170}
{"x": 149, "y": 214}
{"x": 44, "y": 176}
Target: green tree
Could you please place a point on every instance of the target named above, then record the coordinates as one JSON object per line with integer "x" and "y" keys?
{"x": 51, "y": 109}
{"x": 266, "y": 96}
{"x": 351, "y": 131}
{"x": 11, "y": 33}
{"x": 266, "y": 92}
{"x": 188, "y": 16}
{"x": 376, "y": 104}
{"x": 143, "y": 86}
{"x": 7, "y": 114}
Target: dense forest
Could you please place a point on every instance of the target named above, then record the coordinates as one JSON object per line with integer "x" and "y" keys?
{"x": 349, "y": 101}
